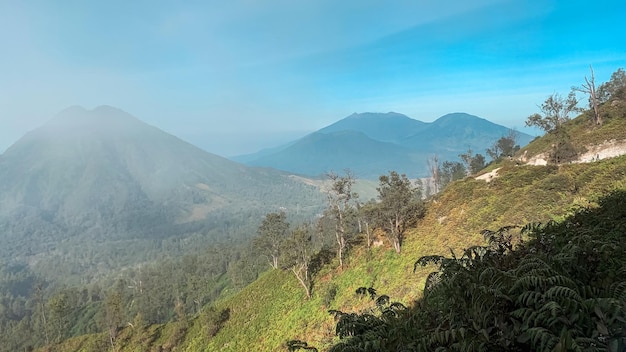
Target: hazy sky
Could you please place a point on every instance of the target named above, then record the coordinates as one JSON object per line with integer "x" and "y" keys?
{"x": 235, "y": 76}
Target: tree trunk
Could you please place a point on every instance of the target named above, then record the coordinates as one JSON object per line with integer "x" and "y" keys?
{"x": 368, "y": 233}
{"x": 340, "y": 235}
{"x": 302, "y": 281}
{"x": 396, "y": 245}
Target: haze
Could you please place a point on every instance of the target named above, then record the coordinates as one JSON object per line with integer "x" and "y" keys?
{"x": 237, "y": 76}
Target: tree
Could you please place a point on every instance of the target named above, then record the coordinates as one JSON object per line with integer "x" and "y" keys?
{"x": 433, "y": 169}
{"x": 340, "y": 198}
{"x": 477, "y": 164}
{"x": 60, "y": 308}
{"x": 400, "y": 206}
{"x": 369, "y": 213}
{"x": 450, "y": 171}
{"x": 113, "y": 315}
{"x": 589, "y": 88}
{"x": 271, "y": 234}
{"x": 555, "y": 111}
{"x": 506, "y": 146}
{"x": 298, "y": 251}
{"x": 614, "y": 88}
{"x": 473, "y": 163}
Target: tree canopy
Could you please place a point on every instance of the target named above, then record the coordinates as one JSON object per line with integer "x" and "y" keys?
{"x": 272, "y": 233}
{"x": 555, "y": 111}
{"x": 400, "y": 206}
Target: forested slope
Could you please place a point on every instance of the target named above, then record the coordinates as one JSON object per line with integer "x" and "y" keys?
{"x": 274, "y": 309}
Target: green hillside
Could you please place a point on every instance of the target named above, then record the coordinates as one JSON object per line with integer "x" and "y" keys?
{"x": 272, "y": 310}
{"x": 528, "y": 257}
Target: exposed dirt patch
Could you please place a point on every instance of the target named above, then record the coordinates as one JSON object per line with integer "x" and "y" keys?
{"x": 608, "y": 149}
{"x": 487, "y": 177}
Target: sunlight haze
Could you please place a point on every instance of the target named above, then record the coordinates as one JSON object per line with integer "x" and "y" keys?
{"x": 238, "y": 76}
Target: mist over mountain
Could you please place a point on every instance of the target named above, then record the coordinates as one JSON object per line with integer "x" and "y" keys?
{"x": 105, "y": 177}
{"x": 371, "y": 144}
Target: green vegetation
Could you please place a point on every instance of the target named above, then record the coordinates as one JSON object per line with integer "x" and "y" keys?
{"x": 400, "y": 207}
{"x": 563, "y": 289}
{"x": 273, "y": 309}
{"x": 557, "y": 286}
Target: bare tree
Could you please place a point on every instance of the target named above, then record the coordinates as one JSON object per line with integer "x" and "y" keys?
{"x": 369, "y": 213}
{"x": 589, "y": 88}
{"x": 433, "y": 169}
{"x": 299, "y": 252}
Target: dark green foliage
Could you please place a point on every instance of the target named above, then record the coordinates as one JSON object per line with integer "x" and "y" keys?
{"x": 295, "y": 345}
{"x": 562, "y": 289}
{"x": 563, "y": 150}
{"x": 364, "y": 330}
{"x": 506, "y": 146}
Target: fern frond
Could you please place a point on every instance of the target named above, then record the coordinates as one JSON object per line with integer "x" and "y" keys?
{"x": 428, "y": 259}
{"x": 557, "y": 292}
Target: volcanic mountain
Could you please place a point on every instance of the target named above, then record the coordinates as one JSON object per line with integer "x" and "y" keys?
{"x": 105, "y": 177}
{"x": 372, "y": 144}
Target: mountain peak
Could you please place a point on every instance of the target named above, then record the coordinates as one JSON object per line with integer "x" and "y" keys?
{"x": 377, "y": 115}
{"x": 460, "y": 115}
{"x": 76, "y": 120}
{"x": 385, "y": 127}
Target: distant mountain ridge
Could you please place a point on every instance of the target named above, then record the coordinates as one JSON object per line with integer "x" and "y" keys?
{"x": 388, "y": 127}
{"x": 382, "y": 142}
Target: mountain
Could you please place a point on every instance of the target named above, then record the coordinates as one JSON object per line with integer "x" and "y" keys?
{"x": 371, "y": 144}
{"x": 390, "y": 127}
{"x": 320, "y": 152}
{"x": 452, "y": 134}
{"x": 104, "y": 179}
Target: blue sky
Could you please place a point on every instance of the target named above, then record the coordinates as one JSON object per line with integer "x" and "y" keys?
{"x": 236, "y": 76}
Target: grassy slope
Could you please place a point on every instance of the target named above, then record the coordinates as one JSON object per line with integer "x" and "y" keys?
{"x": 273, "y": 309}
{"x": 582, "y": 134}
